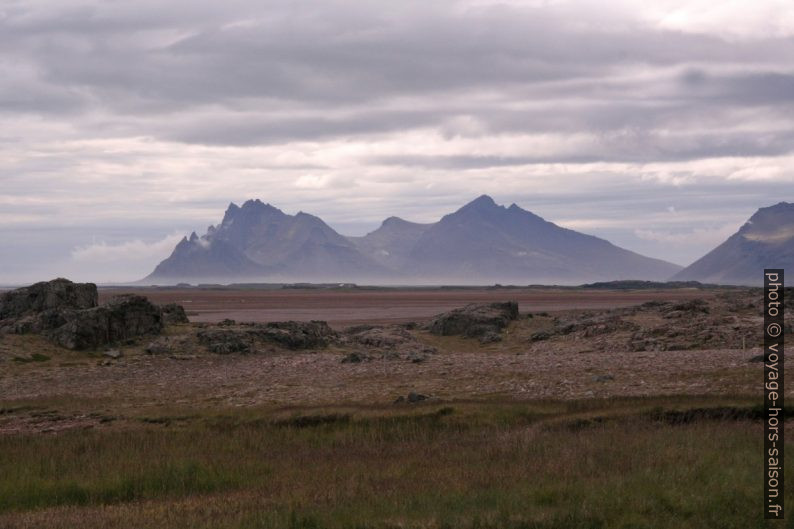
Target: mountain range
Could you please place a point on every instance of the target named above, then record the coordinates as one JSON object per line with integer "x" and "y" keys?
{"x": 480, "y": 243}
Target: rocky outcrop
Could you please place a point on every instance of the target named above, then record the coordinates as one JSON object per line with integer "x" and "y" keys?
{"x": 297, "y": 334}
{"x": 226, "y": 341}
{"x": 56, "y": 294}
{"x": 45, "y": 300}
{"x": 588, "y": 325}
{"x": 67, "y": 313}
{"x": 476, "y": 320}
{"x": 120, "y": 319}
{"x": 247, "y": 337}
{"x": 731, "y": 320}
{"x": 391, "y": 341}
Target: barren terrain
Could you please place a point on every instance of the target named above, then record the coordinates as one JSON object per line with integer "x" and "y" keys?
{"x": 588, "y": 360}
{"x": 587, "y": 409}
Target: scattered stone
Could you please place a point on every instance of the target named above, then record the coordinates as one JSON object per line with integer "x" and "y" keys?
{"x": 539, "y": 336}
{"x": 412, "y": 398}
{"x": 603, "y": 378}
{"x": 416, "y": 397}
{"x": 159, "y": 346}
{"x": 226, "y": 322}
{"x": 490, "y": 337}
{"x": 113, "y": 353}
{"x": 416, "y": 358}
{"x": 355, "y": 358}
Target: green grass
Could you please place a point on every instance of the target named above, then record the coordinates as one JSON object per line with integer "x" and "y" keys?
{"x": 586, "y": 464}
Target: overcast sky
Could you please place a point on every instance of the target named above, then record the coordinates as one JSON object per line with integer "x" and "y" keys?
{"x": 125, "y": 125}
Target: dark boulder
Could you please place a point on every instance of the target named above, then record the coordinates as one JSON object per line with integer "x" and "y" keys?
{"x": 173, "y": 314}
{"x": 474, "y": 320}
{"x": 68, "y": 314}
{"x": 47, "y": 298}
{"x": 122, "y": 318}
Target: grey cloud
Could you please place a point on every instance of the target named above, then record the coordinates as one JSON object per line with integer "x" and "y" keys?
{"x": 241, "y": 129}
{"x": 339, "y": 52}
{"x": 636, "y": 147}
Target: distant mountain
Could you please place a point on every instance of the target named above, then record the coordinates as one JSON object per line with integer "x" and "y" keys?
{"x": 258, "y": 241}
{"x": 498, "y": 244}
{"x": 392, "y": 243}
{"x": 199, "y": 258}
{"x": 481, "y": 243}
{"x": 765, "y": 241}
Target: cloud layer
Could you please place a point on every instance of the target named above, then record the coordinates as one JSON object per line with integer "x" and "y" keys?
{"x": 659, "y": 128}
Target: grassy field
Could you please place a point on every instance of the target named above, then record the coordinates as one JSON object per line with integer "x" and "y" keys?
{"x": 613, "y": 463}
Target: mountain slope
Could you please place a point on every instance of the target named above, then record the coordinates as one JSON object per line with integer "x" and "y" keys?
{"x": 766, "y": 240}
{"x": 494, "y": 243}
{"x": 391, "y": 244}
{"x": 195, "y": 258}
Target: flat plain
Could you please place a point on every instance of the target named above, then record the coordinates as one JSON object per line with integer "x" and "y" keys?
{"x": 349, "y": 306}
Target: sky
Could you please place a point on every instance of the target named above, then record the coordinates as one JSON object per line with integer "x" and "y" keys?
{"x": 125, "y": 125}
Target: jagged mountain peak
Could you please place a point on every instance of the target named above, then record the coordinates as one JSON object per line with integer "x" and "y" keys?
{"x": 485, "y": 209}
{"x": 252, "y": 208}
{"x": 481, "y": 203}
